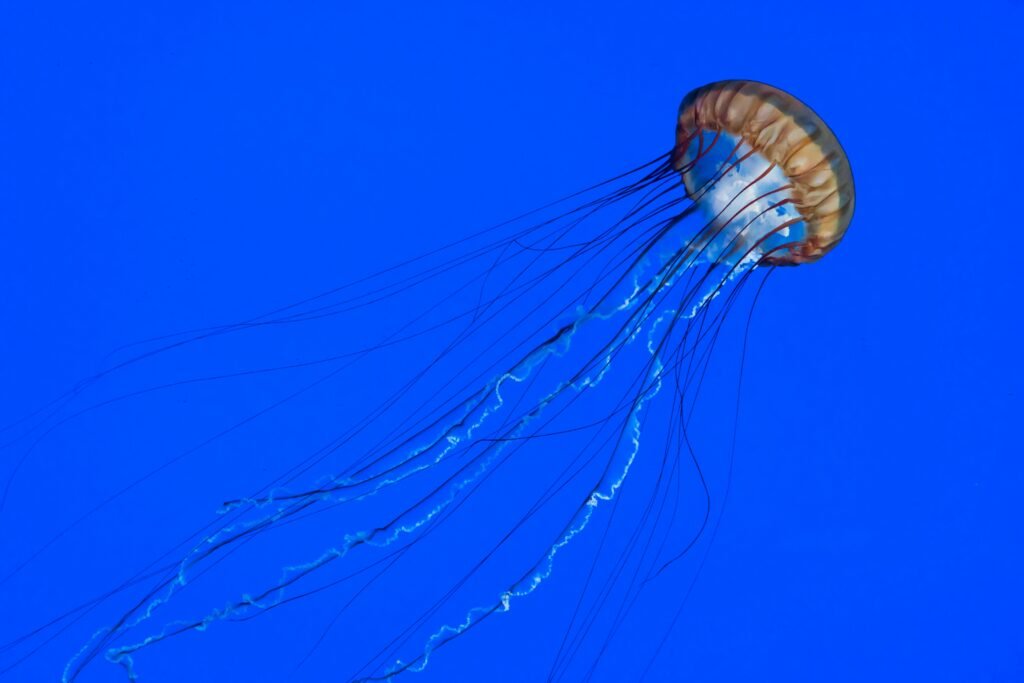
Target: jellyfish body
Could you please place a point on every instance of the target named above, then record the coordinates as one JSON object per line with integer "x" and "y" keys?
{"x": 755, "y": 178}
{"x": 788, "y": 188}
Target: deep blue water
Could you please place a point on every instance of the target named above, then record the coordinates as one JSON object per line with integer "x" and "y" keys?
{"x": 170, "y": 167}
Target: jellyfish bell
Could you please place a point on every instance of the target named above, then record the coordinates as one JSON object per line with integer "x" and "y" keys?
{"x": 771, "y": 178}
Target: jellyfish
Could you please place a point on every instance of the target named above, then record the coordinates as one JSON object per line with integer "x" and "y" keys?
{"x": 572, "y": 378}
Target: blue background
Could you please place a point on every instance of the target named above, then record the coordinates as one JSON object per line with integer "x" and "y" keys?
{"x": 166, "y": 167}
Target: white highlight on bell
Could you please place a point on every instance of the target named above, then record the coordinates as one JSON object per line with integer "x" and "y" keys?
{"x": 745, "y": 205}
